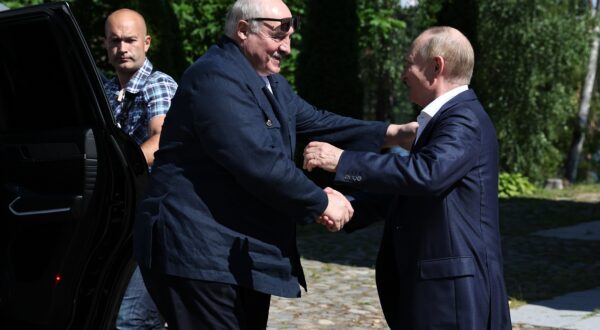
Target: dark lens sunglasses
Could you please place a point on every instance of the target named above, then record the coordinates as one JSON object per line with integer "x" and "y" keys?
{"x": 285, "y": 25}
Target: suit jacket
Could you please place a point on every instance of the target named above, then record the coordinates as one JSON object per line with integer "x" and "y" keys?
{"x": 225, "y": 195}
{"x": 440, "y": 261}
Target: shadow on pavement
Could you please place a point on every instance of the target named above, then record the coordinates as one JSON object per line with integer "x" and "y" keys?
{"x": 536, "y": 268}
{"x": 356, "y": 249}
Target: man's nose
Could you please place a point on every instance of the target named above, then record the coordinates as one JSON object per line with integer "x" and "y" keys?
{"x": 286, "y": 45}
{"x": 122, "y": 47}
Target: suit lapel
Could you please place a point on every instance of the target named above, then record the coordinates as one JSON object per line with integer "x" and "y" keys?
{"x": 283, "y": 113}
{"x": 266, "y": 100}
{"x": 281, "y": 117}
{"x": 462, "y": 97}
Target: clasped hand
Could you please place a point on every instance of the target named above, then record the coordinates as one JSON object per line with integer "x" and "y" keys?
{"x": 338, "y": 211}
{"x": 326, "y": 156}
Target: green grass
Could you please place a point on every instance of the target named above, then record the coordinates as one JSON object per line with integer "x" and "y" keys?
{"x": 569, "y": 192}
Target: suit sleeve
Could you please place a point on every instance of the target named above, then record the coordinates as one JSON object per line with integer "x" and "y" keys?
{"x": 233, "y": 130}
{"x": 447, "y": 157}
{"x": 368, "y": 208}
{"x": 314, "y": 124}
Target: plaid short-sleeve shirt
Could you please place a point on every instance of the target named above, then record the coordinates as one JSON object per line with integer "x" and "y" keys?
{"x": 147, "y": 94}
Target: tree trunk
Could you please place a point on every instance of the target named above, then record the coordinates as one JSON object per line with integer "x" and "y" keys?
{"x": 166, "y": 52}
{"x": 327, "y": 68}
{"x": 584, "y": 107}
{"x": 383, "y": 98}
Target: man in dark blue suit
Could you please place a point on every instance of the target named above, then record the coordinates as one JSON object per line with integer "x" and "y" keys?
{"x": 215, "y": 234}
{"x": 440, "y": 261}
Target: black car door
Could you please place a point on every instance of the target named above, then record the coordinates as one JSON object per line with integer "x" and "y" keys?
{"x": 69, "y": 179}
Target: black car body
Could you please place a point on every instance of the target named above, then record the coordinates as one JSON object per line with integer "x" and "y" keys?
{"x": 69, "y": 179}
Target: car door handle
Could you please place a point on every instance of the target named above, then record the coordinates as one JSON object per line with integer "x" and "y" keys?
{"x": 26, "y": 210}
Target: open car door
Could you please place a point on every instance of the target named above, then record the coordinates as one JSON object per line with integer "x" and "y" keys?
{"x": 69, "y": 179}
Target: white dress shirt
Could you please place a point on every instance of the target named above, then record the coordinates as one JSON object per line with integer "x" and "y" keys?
{"x": 432, "y": 108}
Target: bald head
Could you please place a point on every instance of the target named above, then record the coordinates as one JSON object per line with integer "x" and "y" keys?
{"x": 125, "y": 17}
{"x": 126, "y": 42}
{"x": 453, "y": 46}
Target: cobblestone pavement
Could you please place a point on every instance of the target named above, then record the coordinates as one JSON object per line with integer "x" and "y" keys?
{"x": 340, "y": 272}
{"x": 339, "y": 268}
{"x": 339, "y": 297}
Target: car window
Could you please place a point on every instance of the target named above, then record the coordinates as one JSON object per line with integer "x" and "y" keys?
{"x": 38, "y": 89}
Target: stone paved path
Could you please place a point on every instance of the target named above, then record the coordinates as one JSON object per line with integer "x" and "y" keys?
{"x": 341, "y": 284}
{"x": 338, "y": 297}
{"x": 339, "y": 269}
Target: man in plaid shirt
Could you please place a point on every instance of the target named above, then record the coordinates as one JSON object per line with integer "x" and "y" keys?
{"x": 140, "y": 99}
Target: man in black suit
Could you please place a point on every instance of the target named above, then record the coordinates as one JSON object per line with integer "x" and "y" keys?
{"x": 215, "y": 235}
{"x": 440, "y": 261}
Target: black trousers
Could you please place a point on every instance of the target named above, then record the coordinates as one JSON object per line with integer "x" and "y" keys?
{"x": 194, "y": 304}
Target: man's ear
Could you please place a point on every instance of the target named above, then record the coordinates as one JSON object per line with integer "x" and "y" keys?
{"x": 438, "y": 65}
{"x": 147, "y": 41}
{"x": 242, "y": 30}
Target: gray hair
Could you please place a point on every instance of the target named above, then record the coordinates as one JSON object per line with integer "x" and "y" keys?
{"x": 242, "y": 10}
{"x": 456, "y": 50}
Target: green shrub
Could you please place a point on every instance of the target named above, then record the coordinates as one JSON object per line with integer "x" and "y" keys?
{"x": 514, "y": 184}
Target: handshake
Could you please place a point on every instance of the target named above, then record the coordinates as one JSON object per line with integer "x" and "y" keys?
{"x": 339, "y": 210}
{"x": 326, "y": 156}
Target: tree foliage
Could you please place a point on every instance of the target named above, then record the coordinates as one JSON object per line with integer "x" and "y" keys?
{"x": 382, "y": 40}
{"x": 201, "y": 23}
{"x": 348, "y": 57}
{"x": 528, "y": 76}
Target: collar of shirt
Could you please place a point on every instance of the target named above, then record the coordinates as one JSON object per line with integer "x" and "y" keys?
{"x": 266, "y": 80}
{"x": 135, "y": 84}
{"x": 140, "y": 77}
{"x": 432, "y": 108}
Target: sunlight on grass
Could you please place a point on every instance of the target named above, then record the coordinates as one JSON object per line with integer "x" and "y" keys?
{"x": 570, "y": 192}
{"x": 515, "y": 303}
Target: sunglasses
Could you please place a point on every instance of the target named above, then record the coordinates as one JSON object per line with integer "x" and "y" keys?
{"x": 285, "y": 25}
